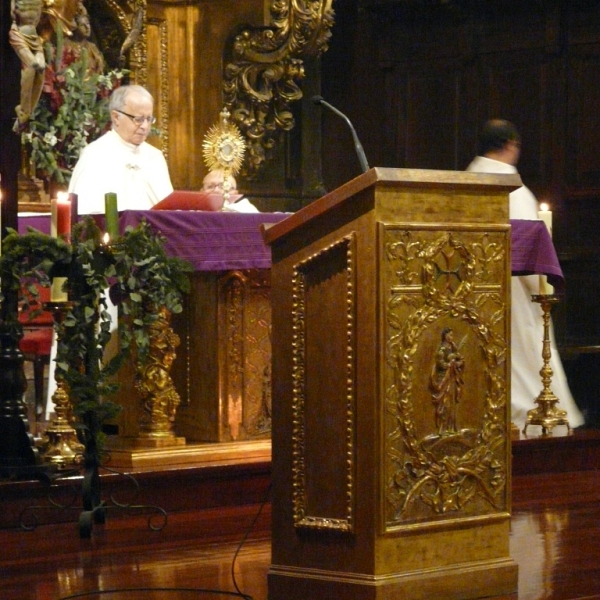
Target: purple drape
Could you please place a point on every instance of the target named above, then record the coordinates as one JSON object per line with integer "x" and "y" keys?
{"x": 219, "y": 241}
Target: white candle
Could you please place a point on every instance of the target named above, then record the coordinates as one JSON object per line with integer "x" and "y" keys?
{"x": 56, "y": 291}
{"x": 545, "y": 215}
{"x": 54, "y": 217}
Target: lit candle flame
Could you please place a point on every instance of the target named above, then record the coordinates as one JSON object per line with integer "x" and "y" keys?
{"x": 544, "y": 206}
{"x": 106, "y": 238}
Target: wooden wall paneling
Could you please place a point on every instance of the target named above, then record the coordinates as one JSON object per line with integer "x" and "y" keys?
{"x": 575, "y": 237}
{"x": 581, "y": 301}
{"x": 549, "y": 188}
{"x": 354, "y": 80}
{"x": 443, "y": 74}
{"x": 553, "y": 147}
{"x": 513, "y": 88}
{"x": 186, "y": 44}
{"x": 342, "y": 88}
{"x": 432, "y": 119}
{"x": 428, "y": 58}
{"x": 582, "y": 21}
{"x": 369, "y": 108}
{"x": 583, "y": 143}
{"x": 577, "y": 318}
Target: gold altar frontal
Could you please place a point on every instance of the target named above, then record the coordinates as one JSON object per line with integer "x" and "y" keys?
{"x": 222, "y": 372}
{"x": 391, "y": 414}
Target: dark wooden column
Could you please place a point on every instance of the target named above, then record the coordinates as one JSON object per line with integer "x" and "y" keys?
{"x": 16, "y": 449}
{"x": 10, "y": 72}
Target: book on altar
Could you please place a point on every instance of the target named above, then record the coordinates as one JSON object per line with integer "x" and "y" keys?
{"x": 190, "y": 200}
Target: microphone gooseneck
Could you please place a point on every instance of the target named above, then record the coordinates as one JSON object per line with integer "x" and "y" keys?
{"x": 357, "y": 145}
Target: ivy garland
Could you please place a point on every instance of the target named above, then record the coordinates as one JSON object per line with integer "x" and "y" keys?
{"x": 28, "y": 260}
{"x": 146, "y": 278}
{"x": 140, "y": 277}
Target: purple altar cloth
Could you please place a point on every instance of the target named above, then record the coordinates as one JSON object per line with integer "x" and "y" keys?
{"x": 41, "y": 222}
{"x": 533, "y": 252}
{"x": 210, "y": 241}
{"x": 219, "y": 241}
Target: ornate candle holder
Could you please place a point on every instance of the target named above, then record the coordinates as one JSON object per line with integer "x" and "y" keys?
{"x": 546, "y": 414}
{"x": 60, "y": 445}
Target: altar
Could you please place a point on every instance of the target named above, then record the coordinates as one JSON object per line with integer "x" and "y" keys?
{"x": 222, "y": 370}
{"x": 223, "y": 366}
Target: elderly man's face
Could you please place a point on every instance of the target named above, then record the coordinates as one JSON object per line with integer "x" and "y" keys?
{"x": 213, "y": 183}
{"x": 137, "y": 108}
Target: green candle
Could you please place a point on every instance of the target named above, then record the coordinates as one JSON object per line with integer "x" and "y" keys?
{"x": 111, "y": 215}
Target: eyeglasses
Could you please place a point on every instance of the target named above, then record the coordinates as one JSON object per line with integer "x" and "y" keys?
{"x": 139, "y": 121}
{"x": 212, "y": 186}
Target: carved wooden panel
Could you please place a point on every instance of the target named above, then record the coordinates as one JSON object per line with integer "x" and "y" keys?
{"x": 223, "y": 366}
{"x": 446, "y": 379}
{"x": 245, "y": 355}
{"x": 324, "y": 284}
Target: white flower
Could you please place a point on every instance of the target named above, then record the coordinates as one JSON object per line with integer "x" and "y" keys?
{"x": 50, "y": 138}
{"x": 88, "y": 119}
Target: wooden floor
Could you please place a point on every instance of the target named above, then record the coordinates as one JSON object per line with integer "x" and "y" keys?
{"x": 555, "y": 540}
{"x": 555, "y": 533}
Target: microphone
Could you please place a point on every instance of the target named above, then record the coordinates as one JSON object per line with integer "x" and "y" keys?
{"x": 357, "y": 145}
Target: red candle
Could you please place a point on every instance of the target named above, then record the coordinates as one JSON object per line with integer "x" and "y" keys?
{"x": 63, "y": 215}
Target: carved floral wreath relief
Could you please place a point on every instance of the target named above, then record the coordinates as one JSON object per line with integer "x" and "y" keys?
{"x": 446, "y": 374}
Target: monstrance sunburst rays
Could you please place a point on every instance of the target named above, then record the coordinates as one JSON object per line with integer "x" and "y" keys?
{"x": 223, "y": 148}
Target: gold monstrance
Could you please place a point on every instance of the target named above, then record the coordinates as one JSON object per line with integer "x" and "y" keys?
{"x": 224, "y": 149}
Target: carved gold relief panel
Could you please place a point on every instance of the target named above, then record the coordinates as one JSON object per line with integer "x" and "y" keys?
{"x": 446, "y": 373}
{"x": 324, "y": 402}
{"x": 245, "y": 355}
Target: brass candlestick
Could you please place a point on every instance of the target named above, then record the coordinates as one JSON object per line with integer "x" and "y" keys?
{"x": 60, "y": 445}
{"x": 546, "y": 414}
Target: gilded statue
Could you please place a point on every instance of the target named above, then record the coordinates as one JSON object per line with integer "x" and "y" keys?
{"x": 28, "y": 45}
{"x": 446, "y": 382}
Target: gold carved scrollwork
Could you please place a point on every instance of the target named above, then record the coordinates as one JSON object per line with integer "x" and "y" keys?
{"x": 262, "y": 79}
{"x": 445, "y": 282}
